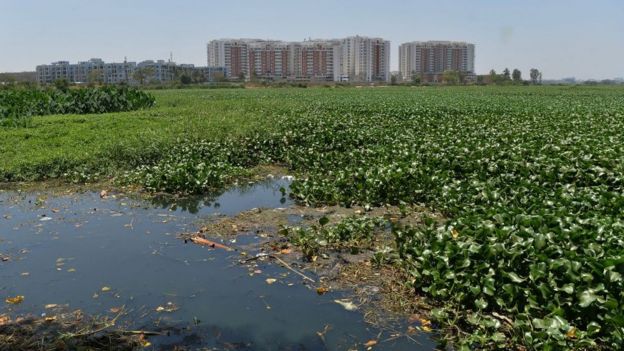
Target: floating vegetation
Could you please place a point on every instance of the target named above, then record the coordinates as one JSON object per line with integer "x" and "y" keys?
{"x": 351, "y": 234}
{"x": 17, "y": 105}
{"x": 532, "y": 185}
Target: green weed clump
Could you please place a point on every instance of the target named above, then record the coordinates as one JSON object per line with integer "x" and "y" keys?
{"x": 195, "y": 167}
{"x": 532, "y": 184}
{"x": 17, "y": 105}
{"x": 352, "y": 235}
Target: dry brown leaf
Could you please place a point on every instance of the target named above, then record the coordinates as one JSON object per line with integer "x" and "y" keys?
{"x": 50, "y": 305}
{"x": 285, "y": 251}
{"x": 455, "y": 233}
{"x": 14, "y": 300}
{"x": 270, "y": 280}
{"x": 4, "y": 319}
{"x": 348, "y": 305}
{"x": 370, "y": 343}
{"x": 115, "y": 309}
{"x": 169, "y": 307}
{"x": 414, "y": 318}
{"x": 322, "y": 290}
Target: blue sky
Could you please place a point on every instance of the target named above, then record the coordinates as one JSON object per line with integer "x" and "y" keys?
{"x": 563, "y": 38}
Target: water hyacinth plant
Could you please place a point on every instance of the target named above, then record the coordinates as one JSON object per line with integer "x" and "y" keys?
{"x": 533, "y": 251}
{"x": 16, "y": 105}
{"x": 529, "y": 180}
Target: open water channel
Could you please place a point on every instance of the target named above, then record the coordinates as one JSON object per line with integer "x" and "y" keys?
{"x": 98, "y": 254}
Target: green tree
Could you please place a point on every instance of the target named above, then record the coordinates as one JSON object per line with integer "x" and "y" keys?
{"x": 506, "y": 74}
{"x": 95, "y": 76}
{"x": 61, "y": 84}
{"x": 450, "y": 77}
{"x": 185, "y": 79}
{"x": 143, "y": 74}
{"x": 8, "y": 79}
{"x": 493, "y": 77}
{"x": 535, "y": 76}
{"x": 416, "y": 80}
{"x": 394, "y": 79}
{"x": 198, "y": 76}
{"x": 517, "y": 76}
{"x": 218, "y": 77}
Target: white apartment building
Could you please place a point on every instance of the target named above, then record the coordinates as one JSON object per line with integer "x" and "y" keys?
{"x": 87, "y": 71}
{"x": 430, "y": 59}
{"x": 98, "y": 71}
{"x": 355, "y": 59}
{"x": 161, "y": 70}
{"x": 233, "y": 54}
{"x": 365, "y": 59}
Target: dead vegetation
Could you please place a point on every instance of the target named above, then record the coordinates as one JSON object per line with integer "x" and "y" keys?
{"x": 68, "y": 330}
{"x": 374, "y": 282}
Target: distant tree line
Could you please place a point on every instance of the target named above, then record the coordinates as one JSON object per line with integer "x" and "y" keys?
{"x": 510, "y": 77}
{"x": 507, "y": 77}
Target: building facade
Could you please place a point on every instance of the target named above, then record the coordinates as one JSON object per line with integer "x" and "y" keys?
{"x": 355, "y": 59}
{"x": 365, "y": 59}
{"x": 268, "y": 60}
{"x": 429, "y": 60}
{"x": 232, "y": 54}
{"x": 98, "y": 71}
{"x": 94, "y": 70}
{"x": 315, "y": 60}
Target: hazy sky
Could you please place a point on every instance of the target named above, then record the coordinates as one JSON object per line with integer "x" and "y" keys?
{"x": 563, "y": 38}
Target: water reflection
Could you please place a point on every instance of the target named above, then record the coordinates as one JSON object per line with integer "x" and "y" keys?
{"x": 267, "y": 189}
{"x": 97, "y": 254}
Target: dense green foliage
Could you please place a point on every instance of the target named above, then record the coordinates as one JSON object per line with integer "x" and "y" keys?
{"x": 350, "y": 235}
{"x": 532, "y": 184}
{"x": 530, "y": 179}
{"x": 18, "y": 104}
{"x": 88, "y": 147}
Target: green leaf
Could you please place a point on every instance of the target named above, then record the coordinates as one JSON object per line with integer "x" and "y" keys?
{"x": 515, "y": 278}
{"x": 323, "y": 220}
{"x": 587, "y": 297}
{"x": 481, "y": 304}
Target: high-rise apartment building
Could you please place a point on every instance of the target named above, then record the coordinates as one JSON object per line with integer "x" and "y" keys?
{"x": 365, "y": 59}
{"x": 356, "y": 59}
{"x": 430, "y": 59}
{"x": 316, "y": 60}
{"x": 233, "y": 54}
{"x": 268, "y": 60}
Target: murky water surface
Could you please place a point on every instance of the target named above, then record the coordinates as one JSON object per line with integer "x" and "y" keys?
{"x": 96, "y": 254}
